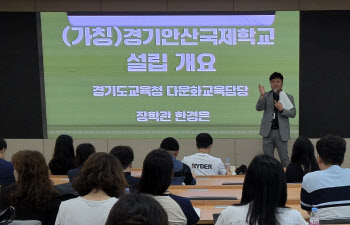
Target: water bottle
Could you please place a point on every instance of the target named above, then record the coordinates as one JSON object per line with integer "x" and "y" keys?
{"x": 314, "y": 217}
{"x": 227, "y": 165}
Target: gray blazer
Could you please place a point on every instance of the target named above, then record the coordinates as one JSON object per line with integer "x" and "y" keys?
{"x": 266, "y": 104}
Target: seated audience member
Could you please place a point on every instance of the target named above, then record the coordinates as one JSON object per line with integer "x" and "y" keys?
{"x": 328, "y": 189}
{"x": 264, "y": 197}
{"x": 32, "y": 195}
{"x": 303, "y": 160}
{"x": 125, "y": 155}
{"x": 83, "y": 152}
{"x": 6, "y": 168}
{"x": 202, "y": 163}
{"x": 182, "y": 173}
{"x": 99, "y": 183}
{"x": 156, "y": 178}
{"x": 63, "y": 156}
{"x": 137, "y": 209}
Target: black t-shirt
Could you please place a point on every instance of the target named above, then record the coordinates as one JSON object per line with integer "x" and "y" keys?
{"x": 295, "y": 173}
{"x": 58, "y": 167}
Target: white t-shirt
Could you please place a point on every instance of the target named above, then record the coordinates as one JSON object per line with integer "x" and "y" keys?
{"x": 205, "y": 164}
{"x": 236, "y": 215}
{"x": 79, "y": 211}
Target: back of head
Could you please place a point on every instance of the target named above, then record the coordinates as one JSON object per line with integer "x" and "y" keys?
{"x": 83, "y": 152}
{"x": 303, "y": 153}
{"x": 276, "y": 75}
{"x": 101, "y": 171}
{"x": 265, "y": 189}
{"x": 170, "y": 144}
{"x": 125, "y": 155}
{"x": 157, "y": 172}
{"x": 64, "y": 149}
{"x": 203, "y": 140}
{"x": 137, "y": 209}
{"x": 32, "y": 182}
{"x": 331, "y": 149}
{"x": 3, "y": 144}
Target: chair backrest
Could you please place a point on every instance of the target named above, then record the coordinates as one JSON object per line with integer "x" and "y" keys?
{"x": 337, "y": 221}
{"x": 25, "y": 222}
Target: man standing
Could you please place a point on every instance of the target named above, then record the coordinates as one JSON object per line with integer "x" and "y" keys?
{"x": 6, "y": 168}
{"x": 275, "y": 122}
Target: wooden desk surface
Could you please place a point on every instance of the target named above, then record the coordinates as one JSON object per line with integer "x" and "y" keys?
{"x": 136, "y": 172}
{"x": 59, "y": 179}
{"x": 219, "y": 180}
{"x": 227, "y": 191}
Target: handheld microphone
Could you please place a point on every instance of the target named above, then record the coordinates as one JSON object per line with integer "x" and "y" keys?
{"x": 275, "y": 96}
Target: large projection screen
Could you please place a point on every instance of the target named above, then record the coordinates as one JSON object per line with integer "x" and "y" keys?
{"x": 159, "y": 75}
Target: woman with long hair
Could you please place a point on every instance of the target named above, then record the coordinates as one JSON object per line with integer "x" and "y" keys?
{"x": 99, "y": 184}
{"x": 303, "y": 160}
{"x": 33, "y": 194}
{"x": 156, "y": 176}
{"x": 83, "y": 152}
{"x": 63, "y": 158}
{"x": 264, "y": 197}
{"x": 137, "y": 209}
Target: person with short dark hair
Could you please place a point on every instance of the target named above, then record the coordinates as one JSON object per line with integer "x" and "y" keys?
{"x": 155, "y": 180}
{"x": 6, "y": 168}
{"x": 63, "y": 158}
{"x": 275, "y": 122}
{"x": 137, "y": 209}
{"x": 83, "y": 152}
{"x": 125, "y": 154}
{"x": 182, "y": 173}
{"x": 32, "y": 195}
{"x": 303, "y": 160}
{"x": 328, "y": 189}
{"x": 202, "y": 163}
{"x": 99, "y": 184}
{"x": 264, "y": 197}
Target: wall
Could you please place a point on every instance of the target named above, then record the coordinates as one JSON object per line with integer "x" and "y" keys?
{"x": 240, "y": 151}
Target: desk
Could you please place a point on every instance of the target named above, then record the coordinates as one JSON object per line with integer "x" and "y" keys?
{"x": 136, "y": 172}
{"x": 219, "y": 179}
{"x": 228, "y": 191}
{"x": 209, "y": 208}
{"x": 59, "y": 179}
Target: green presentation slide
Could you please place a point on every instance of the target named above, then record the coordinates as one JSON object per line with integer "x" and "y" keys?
{"x": 155, "y": 76}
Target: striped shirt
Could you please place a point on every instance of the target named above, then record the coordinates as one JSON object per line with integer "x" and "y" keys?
{"x": 329, "y": 191}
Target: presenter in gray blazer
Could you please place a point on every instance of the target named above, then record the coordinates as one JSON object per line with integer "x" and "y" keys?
{"x": 275, "y": 122}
